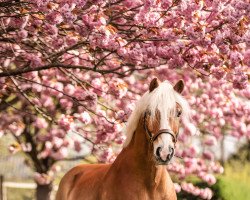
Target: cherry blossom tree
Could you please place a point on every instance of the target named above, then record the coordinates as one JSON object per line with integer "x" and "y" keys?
{"x": 79, "y": 66}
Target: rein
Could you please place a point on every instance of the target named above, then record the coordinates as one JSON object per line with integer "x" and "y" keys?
{"x": 152, "y": 137}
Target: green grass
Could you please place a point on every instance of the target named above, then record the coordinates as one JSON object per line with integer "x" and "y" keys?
{"x": 20, "y": 194}
{"x": 235, "y": 183}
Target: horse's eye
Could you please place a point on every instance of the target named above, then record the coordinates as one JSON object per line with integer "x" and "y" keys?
{"x": 178, "y": 114}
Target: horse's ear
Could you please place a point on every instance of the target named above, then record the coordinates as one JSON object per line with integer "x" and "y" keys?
{"x": 153, "y": 84}
{"x": 179, "y": 86}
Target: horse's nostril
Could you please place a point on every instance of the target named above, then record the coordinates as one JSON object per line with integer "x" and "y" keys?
{"x": 171, "y": 153}
{"x": 158, "y": 150}
{"x": 171, "y": 150}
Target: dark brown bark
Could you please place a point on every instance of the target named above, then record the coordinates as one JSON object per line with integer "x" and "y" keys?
{"x": 43, "y": 192}
{"x": 1, "y": 187}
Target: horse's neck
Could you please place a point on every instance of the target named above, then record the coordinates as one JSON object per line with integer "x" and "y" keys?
{"x": 137, "y": 161}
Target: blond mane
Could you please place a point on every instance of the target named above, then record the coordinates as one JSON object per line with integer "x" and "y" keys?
{"x": 163, "y": 98}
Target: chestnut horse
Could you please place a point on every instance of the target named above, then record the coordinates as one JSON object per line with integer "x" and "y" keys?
{"x": 139, "y": 171}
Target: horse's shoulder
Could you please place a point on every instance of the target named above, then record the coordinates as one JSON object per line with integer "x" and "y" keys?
{"x": 75, "y": 178}
{"x": 85, "y": 169}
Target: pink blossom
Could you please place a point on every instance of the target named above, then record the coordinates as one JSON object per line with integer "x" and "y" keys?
{"x": 58, "y": 43}
{"x": 57, "y": 142}
{"x": 235, "y": 58}
{"x": 51, "y": 29}
{"x": 23, "y": 34}
{"x": 96, "y": 83}
{"x": 56, "y": 168}
{"x": 106, "y": 155}
{"x": 77, "y": 146}
{"x": 240, "y": 82}
{"x": 58, "y": 88}
{"x": 54, "y": 18}
{"x": 1, "y": 133}
{"x": 208, "y": 155}
{"x": 35, "y": 60}
{"x": 42, "y": 179}
{"x": 14, "y": 148}
{"x": 118, "y": 128}
{"x": 41, "y": 2}
{"x": 176, "y": 62}
{"x": 66, "y": 103}
{"x": 6, "y": 62}
{"x": 210, "y": 179}
{"x": 26, "y": 147}
{"x": 101, "y": 113}
{"x": 153, "y": 18}
{"x": 70, "y": 41}
{"x": 118, "y": 88}
{"x": 69, "y": 17}
{"x": 217, "y": 169}
{"x": 37, "y": 88}
{"x": 69, "y": 89}
{"x": 40, "y": 123}
{"x": 247, "y": 57}
{"x": 189, "y": 162}
{"x": 165, "y": 4}
{"x": 113, "y": 63}
{"x": 65, "y": 122}
{"x": 177, "y": 187}
{"x": 84, "y": 117}
{"x": 120, "y": 139}
{"x": 60, "y": 153}
{"x": 131, "y": 3}
{"x": 218, "y": 72}
{"x": 47, "y": 102}
{"x": 206, "y": 193}
{"x": 189, "y": 152}
{"x": 210, "y": 140}
{"x": 20, "y": 22}
{"x": 16, "y": 128}
{"x": 120, "y": 114}
{"x": 46, "y": 152}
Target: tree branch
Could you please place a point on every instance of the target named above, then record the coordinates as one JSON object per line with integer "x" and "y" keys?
{"x": 4, "y": 104}
{"x": 57, "y": 65}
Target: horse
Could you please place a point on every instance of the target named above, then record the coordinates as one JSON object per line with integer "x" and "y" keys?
{"x": 139, "y": 171}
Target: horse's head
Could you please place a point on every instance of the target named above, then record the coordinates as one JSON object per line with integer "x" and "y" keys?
{"x": 160, "y": 110}
{"x": 162, "y": 128}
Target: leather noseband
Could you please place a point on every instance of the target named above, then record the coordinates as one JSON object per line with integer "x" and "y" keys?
{"x": 152, "y": 137}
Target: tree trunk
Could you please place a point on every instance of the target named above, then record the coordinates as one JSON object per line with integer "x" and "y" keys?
{"x": 43, "y": 192}
{"x": 1, "y": 187}
{"x": 222, "y": 150}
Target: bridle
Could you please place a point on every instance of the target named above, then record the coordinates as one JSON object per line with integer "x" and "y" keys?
{"x": 152, "y": 137}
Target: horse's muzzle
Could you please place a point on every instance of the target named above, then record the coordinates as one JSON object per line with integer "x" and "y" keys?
{"x": 164, "y": 158}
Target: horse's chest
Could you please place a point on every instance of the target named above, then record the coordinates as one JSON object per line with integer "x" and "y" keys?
{"x": 132, "y": 192}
